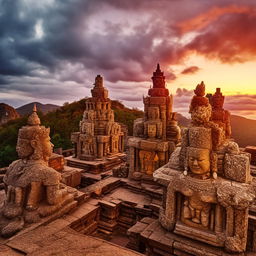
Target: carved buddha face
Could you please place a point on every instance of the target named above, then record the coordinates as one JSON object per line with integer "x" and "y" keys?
{"x": 151, "y": 131}
{"x": 199, "y": 161}
{"x": 35, "y": 144}
{"x": 47, "y": 147}
{"x": 218, "y": 101}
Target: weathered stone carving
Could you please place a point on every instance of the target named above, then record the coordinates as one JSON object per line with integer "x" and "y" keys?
{"x": 33, "y": 190}
{"x": 99, "y": 136}
{"x": 220, "y": 115}
{"x": 208, "y": 184}
{"x": 155, "y": 135}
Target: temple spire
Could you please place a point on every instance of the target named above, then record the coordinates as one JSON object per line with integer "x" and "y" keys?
{"x": 33, "y": 119}
{"x": 34, "y": 108}
{"x": 98, "y": 90}
{"x": 158, "y": 67}
{"x": 159, "y": 88}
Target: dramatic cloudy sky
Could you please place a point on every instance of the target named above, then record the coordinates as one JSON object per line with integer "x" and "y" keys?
{"x": 51, "y": 50}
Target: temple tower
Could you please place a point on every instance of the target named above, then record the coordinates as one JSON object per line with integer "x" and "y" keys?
{"x": 99, "y": 135}
{"x": 156, "y": 134}
{"x": 208, "y": 188}
{"x": 219, "y": 115}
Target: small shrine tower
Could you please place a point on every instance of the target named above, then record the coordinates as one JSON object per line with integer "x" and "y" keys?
{"x": 156, "y": 134}
{"x": 99, "y": 136}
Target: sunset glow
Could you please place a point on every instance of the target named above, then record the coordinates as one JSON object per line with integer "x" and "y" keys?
{"x": 51, "y": 51}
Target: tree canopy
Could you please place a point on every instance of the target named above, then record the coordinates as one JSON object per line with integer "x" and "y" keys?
{"x": 62, "y": 122}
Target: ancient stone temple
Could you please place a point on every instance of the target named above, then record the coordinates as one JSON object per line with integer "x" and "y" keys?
{"x": 100, "y": 137}
{"x": 208, "y": 190}
{"x": 33, "y": 190}
{"x": 155, "y": 135}
{"x": 219, "y": 114}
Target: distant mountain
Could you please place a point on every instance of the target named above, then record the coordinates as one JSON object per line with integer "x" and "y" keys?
{"x": 243, "y": 130}
{"x": 182, "y": 120}
{"x": 44, "y": 108}
{"x": 7, "y": 113}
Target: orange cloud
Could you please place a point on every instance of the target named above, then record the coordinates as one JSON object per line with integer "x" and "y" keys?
{"x": 203, "y": 20}
{"x": 231, "y": 38}
{"x": 190, "y": 70}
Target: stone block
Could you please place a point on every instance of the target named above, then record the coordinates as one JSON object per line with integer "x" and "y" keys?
{"x": 237, "y": 167}
{"x": 157, "y": 100}
{"x": 71, "y": 176}
{"x": 200, "y": 137}
{"x": 162, "y": 146}
{"x": 56, "y": 162}
{"x": 134, "y": 142}
{"x": 148, "y": 145}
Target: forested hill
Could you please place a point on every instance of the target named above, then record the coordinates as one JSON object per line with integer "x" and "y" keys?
{"x": 44, "y": 108}
{"x": 63, "y": 121}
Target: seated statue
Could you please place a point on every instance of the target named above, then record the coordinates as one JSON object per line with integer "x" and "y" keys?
{"x": 33, "y": 190}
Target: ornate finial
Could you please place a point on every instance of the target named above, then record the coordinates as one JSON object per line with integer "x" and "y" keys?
{"x": 200, "y": 90}
{"x": 98, "y": 81}
{"x": 34, "y": 108}
{"x": 33, "y": 119}
{"x": 217, "y": 99}
{"x": 158, "y": 67}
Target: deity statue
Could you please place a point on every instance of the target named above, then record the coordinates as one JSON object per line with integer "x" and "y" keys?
{"x": 152, "y": 130}
{"x": 148, "y": 161}
{"x": 33, "y": 190}
{"x": 220, "y": 115}
{"x": 208, "y": 183}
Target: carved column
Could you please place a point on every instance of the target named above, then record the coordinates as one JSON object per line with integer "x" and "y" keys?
{"x": 100, "y": 149}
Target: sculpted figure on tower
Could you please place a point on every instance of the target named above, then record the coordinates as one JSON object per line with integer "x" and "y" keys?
{"x": 219, "y": 114}
{"x": 156, "y": 134}
{"x": 33, "y": 190}
{"x": 99, "y": 136}
{"x": 207, "y": 183}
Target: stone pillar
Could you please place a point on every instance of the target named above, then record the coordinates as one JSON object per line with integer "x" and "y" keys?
{"x": 131, "y": 161}
{"x": 137, "y": 159}
{"x": 100, "y": 150}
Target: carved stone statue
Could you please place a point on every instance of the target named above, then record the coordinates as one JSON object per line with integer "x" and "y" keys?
{"x": 220, "y": 115}
{"x": 156, "y": 134}
{"x": 95, "y": 139}
{"x": 33, "y": 190}
{"x": 208, "y": 184}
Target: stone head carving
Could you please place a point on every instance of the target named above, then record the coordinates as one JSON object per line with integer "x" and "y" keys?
{"x": 151, "y": 130}
{"x": 199, "y": 162}
{"x": 217, "y": 99}
{"x": 34, "y": 140}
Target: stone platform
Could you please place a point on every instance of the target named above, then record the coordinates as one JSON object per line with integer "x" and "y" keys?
{"x": 60, "y": 238}
{"x": 97, "y": 166}
{"x": 150, "y": 236}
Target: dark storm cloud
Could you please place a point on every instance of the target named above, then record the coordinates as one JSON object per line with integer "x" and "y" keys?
{"x": 51, "y": 48}
{"x": 230, "y": 38}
